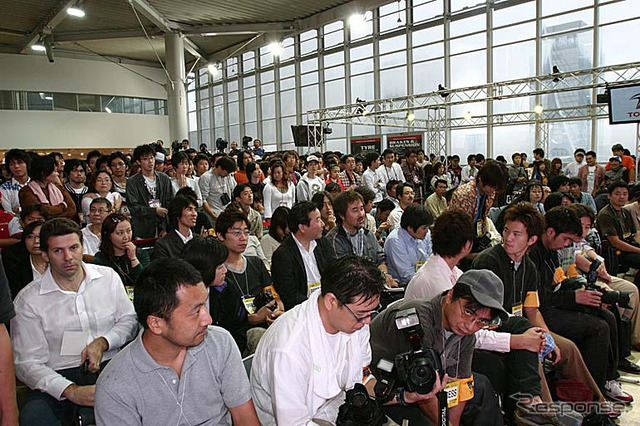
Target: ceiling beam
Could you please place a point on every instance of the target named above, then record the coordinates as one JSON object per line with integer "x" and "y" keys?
{"x": 11, "y": 32}
{"x": 104, "y": 35}
{"x": 53, "y": 18}
{"x": 165, "y": 25}
{"x": 236, "y": 29}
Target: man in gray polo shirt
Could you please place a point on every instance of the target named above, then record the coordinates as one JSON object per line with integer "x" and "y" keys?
{"x": 178, "y": 370}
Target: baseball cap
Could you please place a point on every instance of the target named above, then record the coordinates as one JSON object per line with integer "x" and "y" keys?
{"x": 159, "y": 157}
{"x": 616, "y": 158}
{"x": 311, "y": 158}
{"x": 486, "y": 288}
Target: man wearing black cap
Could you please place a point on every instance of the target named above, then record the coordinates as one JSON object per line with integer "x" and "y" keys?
{"x": 449, "y": 322}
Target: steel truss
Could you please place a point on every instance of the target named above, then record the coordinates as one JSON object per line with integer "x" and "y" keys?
{"x": 430, "y": 109}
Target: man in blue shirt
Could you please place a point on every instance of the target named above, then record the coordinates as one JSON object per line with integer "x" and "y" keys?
{"x": 409, "y": 246}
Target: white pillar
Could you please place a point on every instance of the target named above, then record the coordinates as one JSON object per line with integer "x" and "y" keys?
{"x": 176, "y": 91}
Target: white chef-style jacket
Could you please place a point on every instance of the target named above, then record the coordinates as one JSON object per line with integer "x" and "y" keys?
{"x": 300, "y": 372}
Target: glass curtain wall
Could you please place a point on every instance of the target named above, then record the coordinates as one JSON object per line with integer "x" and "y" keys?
{"x": 407, "y": 47}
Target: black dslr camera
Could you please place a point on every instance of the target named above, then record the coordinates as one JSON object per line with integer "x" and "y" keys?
{"x": 620, "y": 298}
{"x": 612, "y": 297}
{"x": 359, "y": 409}
{"x": 415, "y": 370}
{"x": 264, "y": 298}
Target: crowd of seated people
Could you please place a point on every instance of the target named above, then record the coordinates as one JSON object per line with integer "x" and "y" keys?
{"x": 208, "y": 258}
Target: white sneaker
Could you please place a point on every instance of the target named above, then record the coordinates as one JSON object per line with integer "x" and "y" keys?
{"x": 613, "y": 391}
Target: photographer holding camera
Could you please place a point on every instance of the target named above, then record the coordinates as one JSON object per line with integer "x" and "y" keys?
{"x": 217, "y": 186}
{"x": 447, "y": 324}
{"x": 319, "y": 349}
{"x": 576, "y": 313}
{"x": 583, "y": 256}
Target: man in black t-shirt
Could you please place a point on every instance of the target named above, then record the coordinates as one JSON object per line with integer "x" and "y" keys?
{"x": 8, "y": 407}
{"x": 246, "y": 278}
{"x": 616, "y": 225}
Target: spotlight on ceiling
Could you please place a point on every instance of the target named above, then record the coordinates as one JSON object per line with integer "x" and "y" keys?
{"x": 275, "y": 48}
{"x": 411, "y": 116}
{"x": 38, "y": 47}
{"x": 538, "y": 109}
{"x": 107, "y": 109}
{"x": 75, "y": 11}
{"x": 357, "y": 20}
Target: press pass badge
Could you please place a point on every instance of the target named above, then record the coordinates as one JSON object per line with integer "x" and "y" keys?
{"x": 129, "y": 292}
{"x": 249, "y": 305}
{"x": 479, "y": 229}
{"x": 516, "y": 310}
{"x": 419, "y": 264}
{"x": 311, "y": 287}
{"x": 453, "y": 395}
{"x": 155, "y": 203}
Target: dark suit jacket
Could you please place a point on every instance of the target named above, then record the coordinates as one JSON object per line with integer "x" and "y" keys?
{"x": 143, "y": 218}
{"x": 288, "y": 271}
{"x": 17, "y": 266}
{"x": 170, "y": 245}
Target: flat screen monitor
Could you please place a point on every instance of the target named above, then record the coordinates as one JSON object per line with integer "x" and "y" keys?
{"x": 624, "y": 104}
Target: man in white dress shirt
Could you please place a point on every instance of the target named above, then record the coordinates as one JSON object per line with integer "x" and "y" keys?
{"x": 68, "y": 322}
{"x": 389, "y": 170}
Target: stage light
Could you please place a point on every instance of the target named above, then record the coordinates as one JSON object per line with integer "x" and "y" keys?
{"x": 538, "y": 109}
{"x": 76, "y": 12}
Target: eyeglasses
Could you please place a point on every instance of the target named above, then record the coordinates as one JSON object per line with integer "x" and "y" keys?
{"x": 98, "y": 211}
{"x": 470, "y": 315}
{"x": 372, "y": 314}
{"x": 239, "y": 233}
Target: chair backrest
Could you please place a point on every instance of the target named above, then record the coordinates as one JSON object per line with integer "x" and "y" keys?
{"x": 247, "y": 364}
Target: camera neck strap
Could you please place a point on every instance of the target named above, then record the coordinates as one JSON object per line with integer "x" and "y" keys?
{"x": 444, "y": 354}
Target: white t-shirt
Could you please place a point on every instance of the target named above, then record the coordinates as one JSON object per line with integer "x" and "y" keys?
{"x": 300, "y": 372}
{"x": 591, "y": 178}
{"x": 90, "y": 242}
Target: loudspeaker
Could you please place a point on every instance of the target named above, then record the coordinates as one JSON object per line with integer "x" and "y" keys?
{"x": 306, "y": 135}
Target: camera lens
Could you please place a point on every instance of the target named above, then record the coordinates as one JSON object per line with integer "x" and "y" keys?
{"x": 359, "y": 400}
{"x": 421, "y": 374}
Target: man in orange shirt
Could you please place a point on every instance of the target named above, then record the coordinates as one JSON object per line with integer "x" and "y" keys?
{"x": 627, "y": 161}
